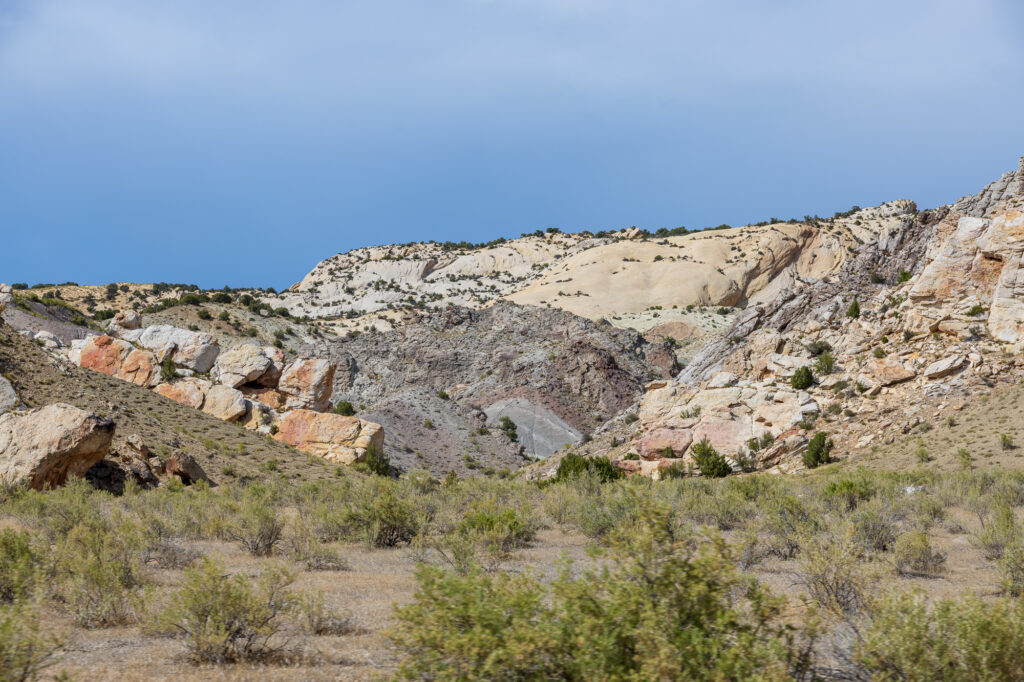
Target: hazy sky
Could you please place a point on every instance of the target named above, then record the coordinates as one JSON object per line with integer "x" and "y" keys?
{"x": 240, "y": 142}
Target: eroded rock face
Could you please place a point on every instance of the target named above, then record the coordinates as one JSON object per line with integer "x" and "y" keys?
{"x": 42, "y": 448}
{"x": 117, "y": 358}
{"x": 8, "y": 396}
{"x": 944, "y": 367}
{"x": 125, "y": 320}
{"x": 5, "y": 297}
{"x": 242, "y": 365}
{"x": 884, "y": 372}
{"x": 307, "y": 384}
{"x": 331, "y": 436}
{"x": 187, "y": 391}
{"x": 195, "y": 351}
{"x": 224, "y": 402}
{"x": 541, "y": 431}
{"x": 130, "y": 460}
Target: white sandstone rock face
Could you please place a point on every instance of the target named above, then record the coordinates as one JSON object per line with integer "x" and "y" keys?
{"x": 196, "y": 351}
{"x": 8, "y": 396}
{"x": 224, "y": 402}
{"x": 541, "y": 431}
{"x": 44, "y": 447}
{"x": 944, "y": 367}
{"x": 123, "y": 321}
{"x": 5, "y": 296}
{"x": 242, "y": 365}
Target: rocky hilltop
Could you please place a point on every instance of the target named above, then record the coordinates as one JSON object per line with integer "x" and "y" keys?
{"x": 867, "y": 326}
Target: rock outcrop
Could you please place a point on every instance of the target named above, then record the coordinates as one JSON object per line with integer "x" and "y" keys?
{"x": 248, "y": 363}
{"x": 189, "y": 391}
{"x": 130, "y": 460}
{"x": 117, "y": 358}
{"x": 331, "y": 436}
{"x": 194, "y": 351}
{"x": 6, "y": 297}
{"x": 42, "y": 448}
{"x": 307, "y": 384}
{"x": 224, "y": 402}
{"x": 8, "y": 396}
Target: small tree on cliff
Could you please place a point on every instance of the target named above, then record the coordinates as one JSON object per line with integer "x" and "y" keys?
{"x": 854, "y": 310}
{"x": 167, "y": 369}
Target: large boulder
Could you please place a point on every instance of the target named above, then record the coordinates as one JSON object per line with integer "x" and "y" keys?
{"x": 195, "y": 351}
{"x": 943, "y": 367}
{"x": 308, "y": 384}
{"x": 42, "y": 448}
{"x": 123, "y": 321}
{"x": 8, "y": 396}
{"x": 248, "y": 364}
{"x": 187, "y": 391}
{"x": 884, "y": 372}
{"x": 117, "y": 358}
{"x": 331, "y": 436}
{"x": 224, "y": 402}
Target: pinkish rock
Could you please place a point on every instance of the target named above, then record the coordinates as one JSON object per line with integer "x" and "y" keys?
{"x": 331, "y": 436}
{"x": 224, "y": 402}
{"x": 308, "y": 384}
{"x": 187, "y": 391}
{"x": 117, "y": 358}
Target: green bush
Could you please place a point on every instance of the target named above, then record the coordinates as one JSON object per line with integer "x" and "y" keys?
{"x": 168, "y": 372}
{"x": 819, "y": 451}
{"x": 951, "y": 641}
{"x": 574, "y": 466}
{"x": 854, "y": 309}
{"x": 846, "y": 494}
{"x": 708, "y": 461}
{"x": 664, "y": 606}
{"x": 825, "y": 363}
{"x": 25, "y": 652}
{"x": 381, "y": 517}
{"x": 375, "y": 462}
{"x": 344, "y": 408}
{"x": 802, "y": 378}
{"x": 257, "y": 526}
{"x": 19, "y": 561}
{"x": 229, "y": 618}
{"x": 913, "y": 555}
{"x": 508, "y": 427}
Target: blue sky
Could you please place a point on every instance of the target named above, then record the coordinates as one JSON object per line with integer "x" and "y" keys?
{"x": 240, "y": 142}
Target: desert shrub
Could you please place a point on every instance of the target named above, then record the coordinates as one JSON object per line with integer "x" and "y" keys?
{"x": 1006, "y": 441}
{"x": 317, "y": 619}
{"x": 664, "y": 606}
{"x": 904, "y": 276}
{"x": 344, "y": 408}
{"x": 708, "y": 461}
{"x": 976, "y": 310}
{"x": 508, "y": 427}
{"x": 832, "y": 573}
{"x": 1011, "y": 569}
{"x": 802, "y": 378}
{"x": 305, "y": 548}
{"x": 913, "y": 555}
{"x": 504, "y": 529}
{"x": 25, "y": 651}
{"x": 96, "y": 569}
{"x": 375, "y": 462}
{"x": 952, "y": 641}
{"x": 381, "y": 517}
{"x": 816, "y": 348}
{"x": 854, "y": 309}
{"x": 998, "y": 531}
{"x": 786, "y": 520}
{"x": 846, "y": 494}
{"x": 819, "y": 451}
{"x": 19, "y": 562}
{"x": 825, "y": 363}
{"x": 573, "y": 466}
{"x": 168, "y": 372}
{"x": 258, "y": 527}
{"x": 229, "y": 618}
{"x": 875, "y": 525}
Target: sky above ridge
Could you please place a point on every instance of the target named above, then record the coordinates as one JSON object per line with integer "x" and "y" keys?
{"x": 240, "y": 142}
